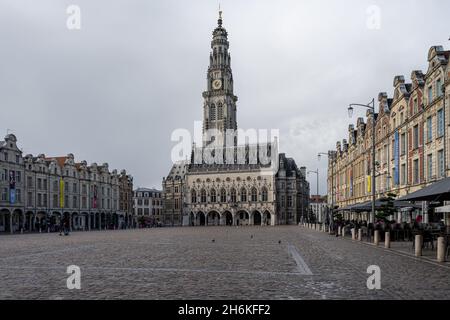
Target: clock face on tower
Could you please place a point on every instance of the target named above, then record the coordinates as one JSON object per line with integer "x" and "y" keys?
{"x": 217, "y": 84}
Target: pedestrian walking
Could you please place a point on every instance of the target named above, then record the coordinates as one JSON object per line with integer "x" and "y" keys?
{"x": 61, "y": 227}
{"x": 66, "y": 227}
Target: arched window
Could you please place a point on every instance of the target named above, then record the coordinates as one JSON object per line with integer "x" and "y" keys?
{"x": 203, "y": 196}
{"x": 243, "y": 195}
{"x": 193, "y": 196}
{"x": 213, "y": 196}
{"x": 223, "y": 196}
{"x": 212, "y": 112}
{"x": 254, "y": 195}
{"x": 219, "y": 111}
{"x": 264, "y": 194}
{"x": 233, "y": 195}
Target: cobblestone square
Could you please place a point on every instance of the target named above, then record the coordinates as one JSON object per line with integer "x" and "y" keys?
{"x": 210, "y": 263}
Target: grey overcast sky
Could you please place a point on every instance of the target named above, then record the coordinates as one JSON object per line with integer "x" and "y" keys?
{"x": 116, "y": 89}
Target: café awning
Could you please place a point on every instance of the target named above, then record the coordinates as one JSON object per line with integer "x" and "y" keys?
{"x": 439, "y": 191}
{"x": 352, "y": 207}
{"x": 367, "y": 206}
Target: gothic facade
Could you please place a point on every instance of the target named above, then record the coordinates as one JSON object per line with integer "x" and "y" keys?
{"x": 247, "y": 184}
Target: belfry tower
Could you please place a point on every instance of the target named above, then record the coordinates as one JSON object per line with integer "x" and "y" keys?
{"x": 219, "y": 107}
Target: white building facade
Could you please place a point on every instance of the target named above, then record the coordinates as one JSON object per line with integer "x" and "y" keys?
{"x": 148, "y": 204}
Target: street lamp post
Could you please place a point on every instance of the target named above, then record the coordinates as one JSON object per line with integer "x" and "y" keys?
{"x": 317, "y": 175}
{"x": 371, "y": 107}
{"x": 330, "y": 212}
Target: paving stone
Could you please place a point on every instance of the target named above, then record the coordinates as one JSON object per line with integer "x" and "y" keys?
{"x": 183, "y": 263}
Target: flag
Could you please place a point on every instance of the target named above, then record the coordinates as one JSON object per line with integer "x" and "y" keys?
{"x": 61, "y": 193}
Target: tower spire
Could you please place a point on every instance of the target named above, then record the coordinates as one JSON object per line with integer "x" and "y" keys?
{"x": 219, "y": 22}
{"x": 219, "y": 108}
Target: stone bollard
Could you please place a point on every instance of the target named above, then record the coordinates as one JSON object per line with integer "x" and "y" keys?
{"x": 353, "y": 234}
{"x": 339, "y": 231}
{"x": 360, "y": 235}
{"x": 387, "y": 240}
{"x": 376, "y": 237}
{"x": 441, "y": 249}
{"x": 343, "y": 232}
{"x": 418, "y": 245}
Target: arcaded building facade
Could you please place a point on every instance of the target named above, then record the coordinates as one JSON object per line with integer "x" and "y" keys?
{"x": 38, "y": 193}
{"x": 412, "y": 139}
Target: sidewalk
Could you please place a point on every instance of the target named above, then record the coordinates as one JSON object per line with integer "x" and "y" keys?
{"x": 404, "y": 248}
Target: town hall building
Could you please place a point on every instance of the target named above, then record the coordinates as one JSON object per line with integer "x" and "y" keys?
{"x": 226, "y": 183}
